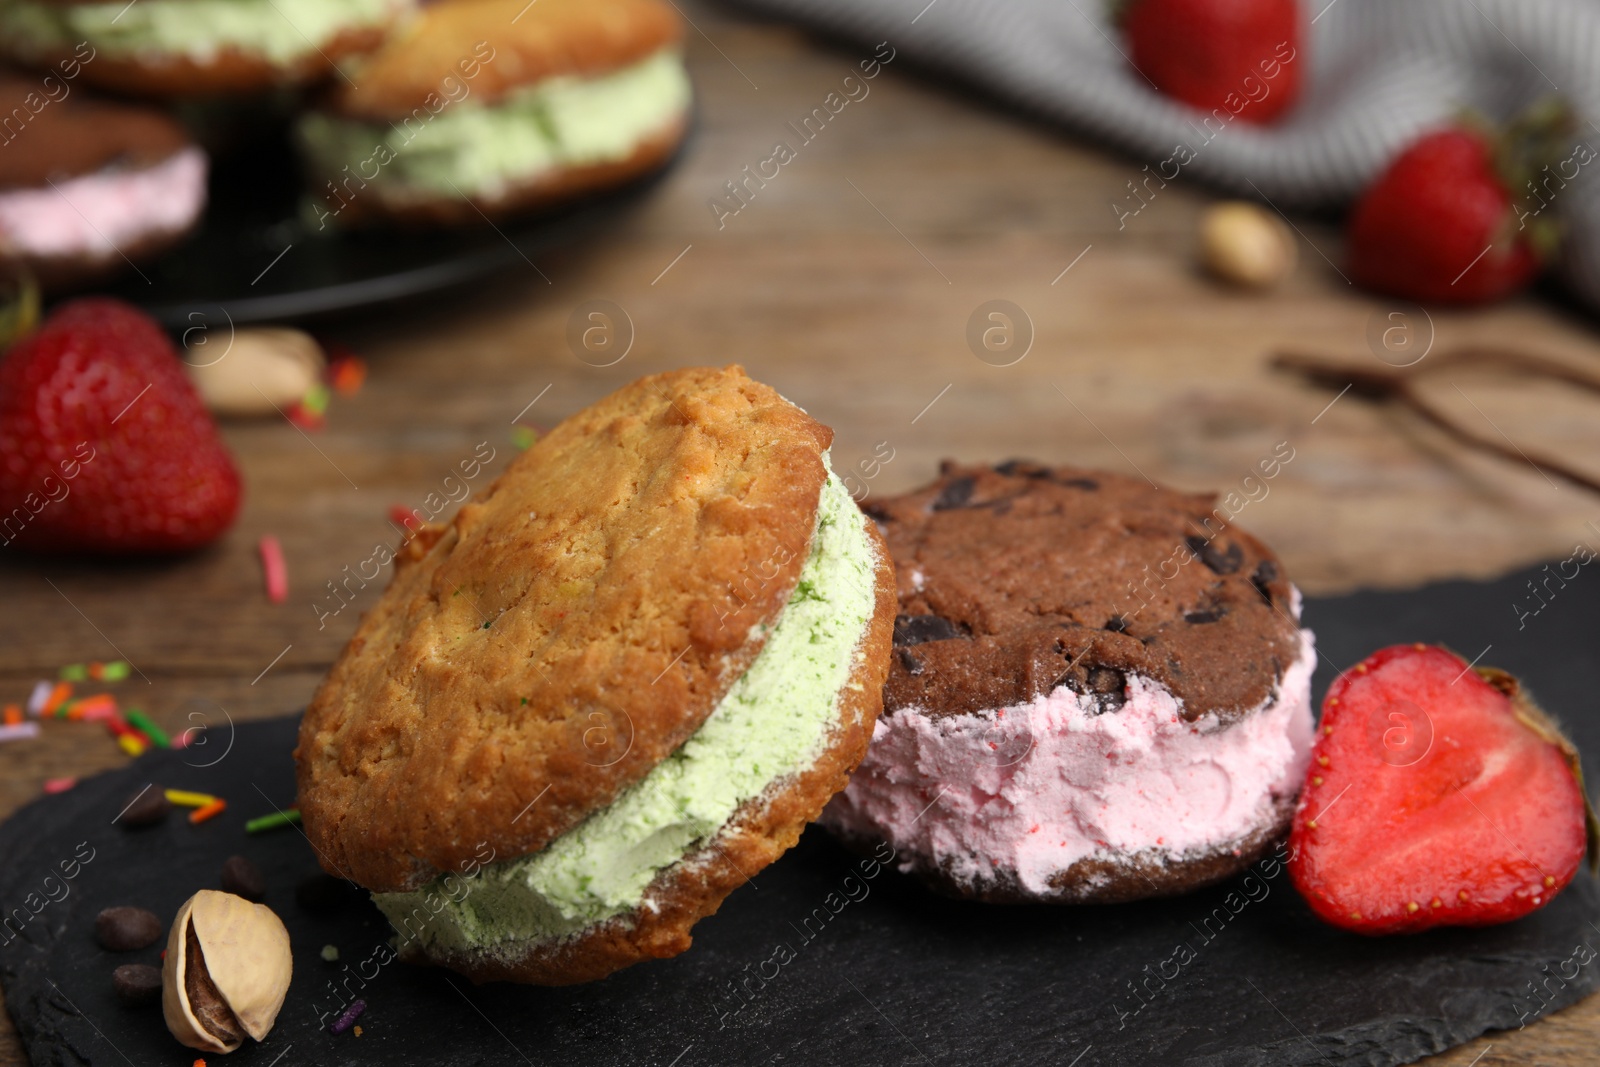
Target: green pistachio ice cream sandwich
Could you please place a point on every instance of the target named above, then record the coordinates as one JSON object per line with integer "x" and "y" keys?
{"x": 618, "y": 684}
{"x": 489, "y": 107}
{"x": 197, "y": 48}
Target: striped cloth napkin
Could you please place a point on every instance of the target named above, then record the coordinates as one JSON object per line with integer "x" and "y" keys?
{"x": 1377, "y": 73}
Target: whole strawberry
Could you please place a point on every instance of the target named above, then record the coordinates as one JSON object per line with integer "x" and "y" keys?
{"x": 1437, "y": 796}
{"x": 1439, "y": 225}
{"x": 1239, "y": 56}
{"x": 104, "y": 445}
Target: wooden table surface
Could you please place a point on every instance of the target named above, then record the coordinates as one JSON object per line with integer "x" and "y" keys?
{"x": 847, "y": 282}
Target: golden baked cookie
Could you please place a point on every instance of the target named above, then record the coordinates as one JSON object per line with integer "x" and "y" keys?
{"x": 636, "y": 666}
{"x": 528, "y": 43}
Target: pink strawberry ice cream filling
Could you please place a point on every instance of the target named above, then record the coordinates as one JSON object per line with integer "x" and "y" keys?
{"x": 96, "y": 215}
{"x": 1029, "y": 790}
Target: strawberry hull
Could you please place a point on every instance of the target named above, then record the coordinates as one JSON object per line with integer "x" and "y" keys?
{"x": 1436, "y": 796}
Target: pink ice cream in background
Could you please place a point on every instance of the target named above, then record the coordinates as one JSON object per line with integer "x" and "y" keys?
{"x": 95, "y": 215}
{"x": 1030, "y": 790}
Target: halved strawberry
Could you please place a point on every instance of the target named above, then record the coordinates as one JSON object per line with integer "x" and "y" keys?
{"x": 1437, "y": 795}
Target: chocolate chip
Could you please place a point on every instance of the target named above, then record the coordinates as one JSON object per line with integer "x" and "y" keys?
{"x": 1026, "y": 468}
{"x": 955, "y": 493}
{"x": 1081, "y": 483}
{"x": 136, "y": 984}
{"x": 243, "y": 878}
{"x": 1219, "y": 562}
{"x": 912, "y": 664}
{"x": 1204, "y": 615}
{"x": 1116, "y": 624}
{"x": 145, "y": 809}
{"x": 1109, "y": 688}
{"x": 1106, "y": 688}
{"x": 1265, "y": 574}
{"x": 915, "y": 629}
{"x": 324, "y": 894}
{"x": 125, "y": 929}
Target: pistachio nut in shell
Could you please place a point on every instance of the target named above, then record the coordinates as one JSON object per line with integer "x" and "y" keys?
{"x": 256, "y": 372}
{"x": 226, "y": 971}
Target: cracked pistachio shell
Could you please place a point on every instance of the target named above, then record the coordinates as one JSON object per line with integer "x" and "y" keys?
{"x": 246, "y": 953}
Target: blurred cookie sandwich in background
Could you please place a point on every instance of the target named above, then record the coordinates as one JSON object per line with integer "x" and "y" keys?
{"x": 491, "y": 107}
{"x": 88, "y": 187}
{"x": 196, "y": 48}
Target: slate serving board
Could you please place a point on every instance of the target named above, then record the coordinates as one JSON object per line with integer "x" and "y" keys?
{"x": 882, "y": 972}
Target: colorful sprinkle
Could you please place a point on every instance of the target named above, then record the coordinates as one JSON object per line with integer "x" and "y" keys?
{"x": 143, "y": 723}
{"x": 36, "y": 700}
{"x": 58, "y": 785}
{"x": 131, "y": 744}
{"x": 524, "y": 437}
{"x": 189, "y": 800}
{"x": 73, "y": 672}
{"x": 98, "y": 708}
{"x": 55, "y": 704}
{"x": 356, "y": 1031}
{"x": 210, "y": 811}
{"x": 330, "y": 953}
{"x": 19, "y": 732}
{"x": 13, "y": 714}
{"x": 351, "y": 1014}
{"x": 316, "y": 400}
{"x": 116, "y": 670}
{"x": 275, "y": 570}
{"x": 347, "y": 373}
{"x": 262, "y": 823}
{"x": 404, "y": 517}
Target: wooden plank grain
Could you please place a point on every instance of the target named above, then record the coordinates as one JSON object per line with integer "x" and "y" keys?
{"x": 848, "y": 282}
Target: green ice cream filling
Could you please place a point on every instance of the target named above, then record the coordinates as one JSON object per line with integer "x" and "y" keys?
{"x": 279, "y": 30}
{"x": 456, "y": 145}
{"x": 774, "y": 723}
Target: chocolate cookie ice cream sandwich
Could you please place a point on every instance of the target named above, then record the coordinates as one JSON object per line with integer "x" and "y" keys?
{"x": 619, "y": 683}
{"x": 88, "y": 186}
{"x": 1100, "y": 690}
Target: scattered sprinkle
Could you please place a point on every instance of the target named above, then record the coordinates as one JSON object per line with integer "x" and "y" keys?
{"x": 36, "y": 701}
{"x": 13, "y": 714}
{"x": 58, "y": 785}
{"x": 197, "y": 1063}
{"x": 275, "y": 570}
{"x": 55, "y": 703}
{"x": 316, "y": 400}
{"x": 131, "y": 744}
{"x": 20, "y": 731}
{"x": 262, "y": 823}
{"x": 404, "y": 517}
{"x": 356, "y": 1031}
{"x": 347, "y": 373}
{"x": 330, "y": 953}
{"x": 523, "y": 437}
{"x": 116, "y": 670}
{"x": 101, "y": 707}
{"x": 210, "y": 811}
{"x": 143, "y": 723}
{"x": 73, "y": 672}
{"x": 351, "y": 1014}
{"x": 189, "y": 800}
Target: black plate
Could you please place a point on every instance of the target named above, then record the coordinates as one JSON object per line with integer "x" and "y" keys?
{"x": 816, "y": 963}
{"x": 257, "y": 257}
